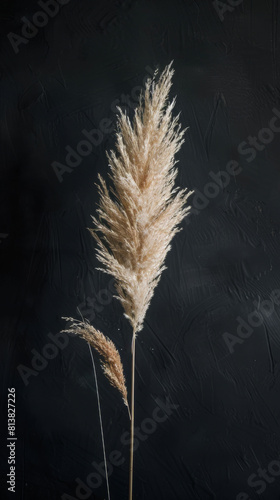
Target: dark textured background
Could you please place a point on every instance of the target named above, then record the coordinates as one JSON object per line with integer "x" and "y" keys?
{"x": 88, "y": 58}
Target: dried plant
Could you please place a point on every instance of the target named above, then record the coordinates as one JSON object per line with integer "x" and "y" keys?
{"x": 110, "y": 362}
{"x": 140, "y": 213}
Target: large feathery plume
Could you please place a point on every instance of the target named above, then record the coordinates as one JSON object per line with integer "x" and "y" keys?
{"x": 110, "y": 358}
{"x": 139, "y": 215}
{"x": 141, "y": 211}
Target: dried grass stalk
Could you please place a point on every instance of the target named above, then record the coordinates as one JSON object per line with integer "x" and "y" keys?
{"x": 110, "y": 362}
{"x": 140, "y": 213}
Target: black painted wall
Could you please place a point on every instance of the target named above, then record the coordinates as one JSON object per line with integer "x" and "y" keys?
{"x": 208, "y": 359}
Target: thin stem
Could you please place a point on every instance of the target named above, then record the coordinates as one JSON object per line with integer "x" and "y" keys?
{"x": 132, "y": 416}
{"x": 100, "y": 419}
{"x": 129, "y": 414}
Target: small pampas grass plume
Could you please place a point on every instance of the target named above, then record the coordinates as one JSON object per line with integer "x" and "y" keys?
{"x": 110, "y": 362}
{"x": 140, "y": 213}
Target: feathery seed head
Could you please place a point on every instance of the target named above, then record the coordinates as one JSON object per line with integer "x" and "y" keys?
{"x": 140, "y": 214}
{"x": 111, "y": 361}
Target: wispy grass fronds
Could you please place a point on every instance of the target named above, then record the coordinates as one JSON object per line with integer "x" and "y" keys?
{"x": 110, "y": 358}
{"x": 140, "y": 213}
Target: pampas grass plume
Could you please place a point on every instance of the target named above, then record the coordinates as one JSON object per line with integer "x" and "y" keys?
{"x": 110, "y": 358}
{"x": 140, "y": 213}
